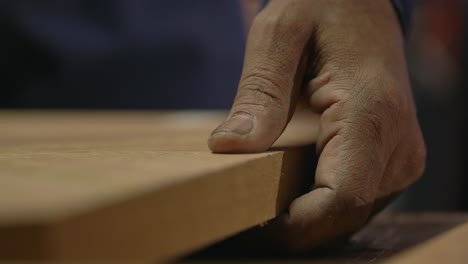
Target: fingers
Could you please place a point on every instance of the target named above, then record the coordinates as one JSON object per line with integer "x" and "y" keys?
{"x": 362, "y": 93}
{"x": 270, "y": 82}
{"x": 361, "y": 102}
{"x": 347, "y": 178}
{"x": 360, "y": 129}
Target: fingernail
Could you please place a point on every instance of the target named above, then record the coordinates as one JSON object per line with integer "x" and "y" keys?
{"x": 240, "y": 124}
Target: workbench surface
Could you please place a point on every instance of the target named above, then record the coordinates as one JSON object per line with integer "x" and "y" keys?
{"x": 390, "y": 238}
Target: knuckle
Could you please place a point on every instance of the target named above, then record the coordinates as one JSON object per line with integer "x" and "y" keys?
{"x": 390, "y": 113}
{"x": 355, "y": 207}
{"x": 260, "y": 88}
{"x": 420, "y": 161}
{"x": 340, "y": 57}
{"x": 372, "y": 125}
{"x": 396, "y": 105}
{"x": 378, "y": 107}
{"x": 387, "y": 95}
{"x": 393, "y": 107}
{"x": 417, "y": 159}
{"x": 365, "y": 125}
{"x": 279, "y": 22}
{"x": 421, "y": 167}
{"x": 334, "y": 113}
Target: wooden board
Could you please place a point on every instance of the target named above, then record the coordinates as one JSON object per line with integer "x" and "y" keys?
{"x": 134, "y": 185}
{"x": 390, "y": 238}
{"x": 450, "y": 247}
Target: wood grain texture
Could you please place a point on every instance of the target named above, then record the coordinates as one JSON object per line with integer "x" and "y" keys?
{"x": 134, "y": 185}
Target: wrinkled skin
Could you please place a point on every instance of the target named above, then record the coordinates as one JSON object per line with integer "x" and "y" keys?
{"x": 346, "y": 58}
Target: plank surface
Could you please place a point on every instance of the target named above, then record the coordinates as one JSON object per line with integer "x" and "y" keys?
{"x": 134, "y": 185}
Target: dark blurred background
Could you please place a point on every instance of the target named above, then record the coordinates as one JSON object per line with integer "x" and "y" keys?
{"x": 145, "y": 54}
{"x": 437, "y": 62}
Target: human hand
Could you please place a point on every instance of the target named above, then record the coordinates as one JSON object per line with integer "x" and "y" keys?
{"x": 346, "y": 58}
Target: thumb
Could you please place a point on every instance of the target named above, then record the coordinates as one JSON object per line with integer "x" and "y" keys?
{"x": 269, "y": 85}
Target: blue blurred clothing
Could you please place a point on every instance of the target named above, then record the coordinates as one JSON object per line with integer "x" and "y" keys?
{"x": 121, "y": 53}
{"x": 404, "y": 10}
{"x": 129, "y": 54}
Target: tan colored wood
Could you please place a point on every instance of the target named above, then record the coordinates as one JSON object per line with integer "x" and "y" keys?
{"x": 450, "y": 247}
{"x": 133, "y": 185}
